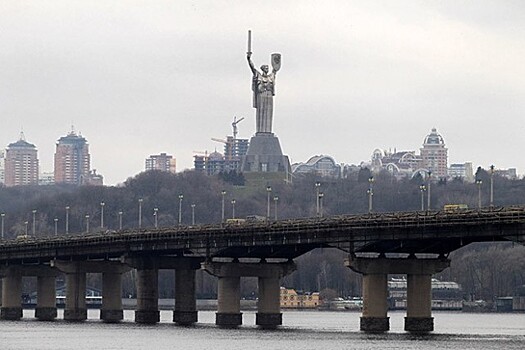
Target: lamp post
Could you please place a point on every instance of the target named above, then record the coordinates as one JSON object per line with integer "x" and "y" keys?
{"x": 140, "y": 212}
{"x": 233, "y": 208}
{"x": 67, "y": 219}
{"x": 155, "y": 217}
{"x": 317, "y": 188}
{"x": 321, "y": 196}
{"x": 87, "y": 223}
{"x": 223, "y": 193}
{"x": 370, "y": 192}
{"x": 275, "y": 200}
{"x": 102, "y": 204}
{"x": 422, "y": 188}
{"x": 56, "y": 226}
{"x": 180, "y": 208}
{"x": 34, "y": 221}
{"x": 492, "y": 186}
{"x": 3, "y": 218}
{"x": 428, "y": 189}
{"x": 268, "y": 192}
{"x": 120, "y": 220}
{"x": 193, "y": 214}
{"x": 479, "y": 183}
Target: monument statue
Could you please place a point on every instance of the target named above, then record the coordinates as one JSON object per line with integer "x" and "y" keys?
{"x": 263, "y": 87}
{"x": 264, "y": 154}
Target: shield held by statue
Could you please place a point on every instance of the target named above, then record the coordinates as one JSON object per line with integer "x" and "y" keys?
{"x": 276, "y": 61}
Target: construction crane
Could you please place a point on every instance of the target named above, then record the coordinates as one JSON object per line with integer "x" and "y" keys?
{"x": 234, "y": 125}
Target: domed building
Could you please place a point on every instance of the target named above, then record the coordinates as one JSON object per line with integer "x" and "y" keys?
{"x": 434, "y": 154}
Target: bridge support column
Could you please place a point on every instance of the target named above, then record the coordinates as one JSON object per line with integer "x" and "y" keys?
{"x": 375, "y": 307}
{"x": 147, "y": 296}
{"x": 185, "y": 312}
{"x": 75, "y": 309}
{"x": 46, "y": 305}
{"x": 419, "y": 303}
{"x": 269, "y": 304}
{"x": 419, "y": 296}
{"x": 229, "y": 302}
{"x": 229, "y": 293}
{"x": 11, "y": 295}
{"x": 111, "y": 310}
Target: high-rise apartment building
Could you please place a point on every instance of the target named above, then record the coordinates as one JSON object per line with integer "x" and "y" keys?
{"x": 162, "y": 162}
{"x": 434, "y": 154}
{"x": 21, "y": 163}
{"x": 72, "y": 160}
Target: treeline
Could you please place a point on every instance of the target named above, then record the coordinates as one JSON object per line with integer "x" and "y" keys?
{"x": 484, "y": 270}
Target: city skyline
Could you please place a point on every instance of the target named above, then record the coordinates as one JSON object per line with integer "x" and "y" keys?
{"x": 356, "y": 76}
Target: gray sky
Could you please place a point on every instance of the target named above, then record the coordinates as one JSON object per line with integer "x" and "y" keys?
{"x": 143, "y": 77}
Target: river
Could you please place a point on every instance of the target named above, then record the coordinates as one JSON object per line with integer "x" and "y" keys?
{"x": 301, "y": 330}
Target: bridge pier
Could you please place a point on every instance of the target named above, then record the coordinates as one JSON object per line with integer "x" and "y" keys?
{"x": 111, "y": 309}
{"x": 419, "y": 290}
{"x": 46, "y": 304}
{"x": 375, "y": 306}
{"x": 75, "y": 309}
{"x": 75, "y": 271}
{"x": 11, "y": 294}
{"x": 147, "y": 296}
{"x": 419, "y": 303}
{"x": 185, "y": 312}
{"x": 229, "y": 294}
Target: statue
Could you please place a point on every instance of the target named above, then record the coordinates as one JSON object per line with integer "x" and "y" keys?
{"x": 263, "y": 87}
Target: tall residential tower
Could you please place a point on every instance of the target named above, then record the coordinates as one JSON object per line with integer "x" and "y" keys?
{"x": 72, "y": 160}
{"x": 21, "y": 163}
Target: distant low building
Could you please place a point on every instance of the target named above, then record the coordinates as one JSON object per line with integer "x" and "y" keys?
{"x": 291, "y": 299}
{"x": 509, "y": 173}
{"x": 46, "y": 178}
{"x": 445, "y": 295}
{"x": 461, "y": 171}
{"x": 321, "y": 165}
{"x": 162, "y": 162}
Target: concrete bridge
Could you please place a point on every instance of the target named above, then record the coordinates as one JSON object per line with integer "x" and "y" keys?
{"x": 413, "y": 243}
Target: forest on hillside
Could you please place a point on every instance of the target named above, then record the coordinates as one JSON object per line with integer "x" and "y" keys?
{"x": 484, "y": 270}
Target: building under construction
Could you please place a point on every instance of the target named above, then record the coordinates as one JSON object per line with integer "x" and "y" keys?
{"x": 230, "y": 160}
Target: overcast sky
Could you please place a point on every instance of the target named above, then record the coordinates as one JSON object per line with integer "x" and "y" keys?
{"x": 143, "y": 77}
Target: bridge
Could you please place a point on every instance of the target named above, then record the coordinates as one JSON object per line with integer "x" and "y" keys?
{"x": 413, "y": 243}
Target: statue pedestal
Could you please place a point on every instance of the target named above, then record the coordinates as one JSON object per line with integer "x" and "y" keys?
{"x": 264, "y": 155}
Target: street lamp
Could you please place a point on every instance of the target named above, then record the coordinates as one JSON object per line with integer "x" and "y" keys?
{"x": 268, "y": 192}
{"x": 321, "y": 196}
{"x": 233, "y": 208}
{"x": 3, "y": 218}
{"x": 223, "y": 193}
{"x": 428, "y": 189}
{"x": 34, "y": 221}
{"x": 370, "y": 192}
{"x": 422, "y": 188}
{"x": 102, "y": 204}
{"x": 193, "y": 214}
{"x": 492, "y": 186}
{"x": 67, "y": 220}
{"x": 140, "y": 212}
{"x": 120, "y": 220}
{"x": 56, "y": 226}
{"x": 87, "y": 223}
{"x": 479, "y": 183}
{"x": 275, "y": 200}
{"x": 317, "y": 186}
{"x": 155, "y": 217}
{"x": 180, "y": 208}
